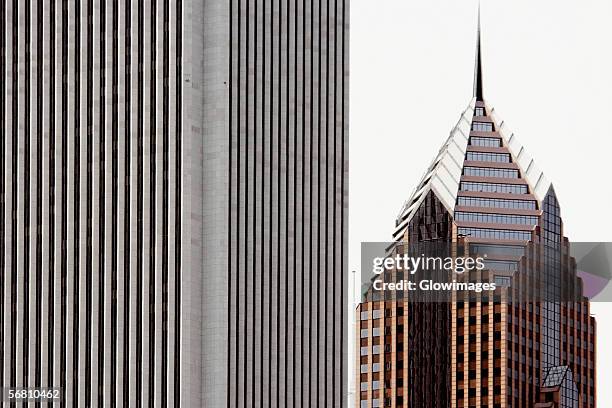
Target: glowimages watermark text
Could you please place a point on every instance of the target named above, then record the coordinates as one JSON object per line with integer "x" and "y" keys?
{"x": 389, "y": 271}
{"x": 433, "y": 271}
{"x": 412, "y": 264}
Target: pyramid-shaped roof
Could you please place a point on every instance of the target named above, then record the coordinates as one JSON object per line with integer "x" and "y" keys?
{"x": 445, "y": 173}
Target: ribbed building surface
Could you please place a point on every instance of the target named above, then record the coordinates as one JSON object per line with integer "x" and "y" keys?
{"x": 287, "y": 221}
{"x": 173, "y": 201}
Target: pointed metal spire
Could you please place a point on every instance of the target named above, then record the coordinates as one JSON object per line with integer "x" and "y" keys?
{"x": 478, "y": 92}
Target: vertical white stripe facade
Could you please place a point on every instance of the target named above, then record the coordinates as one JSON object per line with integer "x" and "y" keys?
{"x": 173, "y": 201}
{"x": 90, "y": 268}
{"x": 274, "y": 220}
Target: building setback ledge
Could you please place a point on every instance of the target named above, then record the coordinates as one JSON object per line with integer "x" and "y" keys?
{"x": 484, "y": 149}
{"x": 494, "y": 180}
{"x": 479, "y": 133}
{"x": 493, "y": 165}
{"x": 503, "y": 196}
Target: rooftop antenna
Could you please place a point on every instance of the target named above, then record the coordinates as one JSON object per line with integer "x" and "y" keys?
{"x": 478, "y": 92}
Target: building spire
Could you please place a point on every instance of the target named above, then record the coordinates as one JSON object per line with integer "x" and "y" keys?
{"x": 478, "y": 92}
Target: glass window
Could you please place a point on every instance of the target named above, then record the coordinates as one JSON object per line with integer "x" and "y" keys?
{"x": 364, "y": 386}
{"x": 497, "y": 203}
{"x": 494, "y": 187}
{"x": 489, "y": 172}
{"x": 376, "y": 331}
{"x": 375, "y": 367}
{"x": 364, "y": 315}
{"x": 364, "y": 351}
{"x": 375, "y": 385}
{"x": 484, "y": 249}
{"x": 364, "y": 333}
{"x": 509, "y": 266}
{"x": 376, "y": 314}
{"x": 495, "y": 233}
{"x": 375, "y": 349}
{"x": 482, "y": 126}
{"x": 496, "y": 218}
{"x": 485, "y": 141}
{"x": 488, "y": 157}
{"x": 479, "y": 112}
{"x": 364, "y": 368}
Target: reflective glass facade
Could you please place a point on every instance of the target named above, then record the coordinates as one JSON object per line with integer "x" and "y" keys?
{"x": 496, "y": 218}
{"x": 494, "y": 233}
{"x": 485, "y": 141}
{"x": 560, "y": 379}
{"x": 482, "y": 127}
{"x": 484, "y": 350}
{"x": 489, "y": 249}
{"x": 494, "y": 187}
{"x": 509, "y": 266}
{"x": 489, "y": 157}
{"x": 497, "y": 203}
{"x": 502, "y": 280}
{"x": 489, "y": 172}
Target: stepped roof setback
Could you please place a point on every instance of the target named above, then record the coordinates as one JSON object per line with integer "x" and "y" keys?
{"x": 444, "y": 174}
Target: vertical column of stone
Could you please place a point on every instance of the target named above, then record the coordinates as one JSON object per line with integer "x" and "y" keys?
{"x": 157, "y": 126}
{"x": 110, "y": 262}
{"x": 275, "y": 169}
{"x": 172, "y": 270}
{"x": 135, "y": 338}
{"x": 3, "y": 247}
{"x": 121, "y": 164}
{"x": 97, "y": 227}
{"x": 21, "y": 144}
{"x": 57, "y": 132}
{"x": 297, "y": 108}
{"x": 148, "y": 296}
{"x": 83, "y": 195}
{"x": 264, "y": 119}
{"x": 71, "y": 264}
{"x": 315, "y": 202}
{"x": 234, "y": 249}
{"x": 307, "y": 278}
{"x": 207, "y": 126}
{"x": 46, "y": 295}
{"x": 32, "y": 167}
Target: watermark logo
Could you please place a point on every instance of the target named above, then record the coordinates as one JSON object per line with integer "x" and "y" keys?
{"x": 545, "y": 271}
{"x": 411, "y": 264}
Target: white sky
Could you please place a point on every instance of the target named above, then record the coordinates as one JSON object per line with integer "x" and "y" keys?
{"x": 547, "y": 71}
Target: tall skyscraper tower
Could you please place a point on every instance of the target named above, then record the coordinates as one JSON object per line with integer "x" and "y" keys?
{"x": 173, "y": 201}
{"x": 532, "y": 342}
